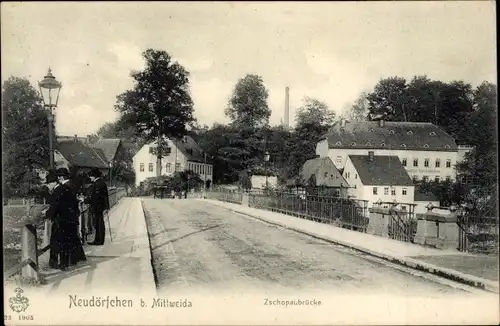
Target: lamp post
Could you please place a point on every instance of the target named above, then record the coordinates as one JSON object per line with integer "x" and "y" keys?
{"x": 110, "y": 169}
{"x": 266, "y": 159}
{"x": 50, "y": 88}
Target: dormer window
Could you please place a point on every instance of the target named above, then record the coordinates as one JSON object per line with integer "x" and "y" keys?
{"x": 382, "y": 145}
{"x": 403, "y": 145}
{"x": 370, "y": 130}
{"x": 432, "y": 133}
{"x": 426, "y": 146}
{"x": 353, "y": 143}
{"x": 447, "y": 146}
{"x": 410, "y": 132}
{"x": 391, "y": 132}
{"x": 368, "y": 144}
{"x": 338, "y": 143}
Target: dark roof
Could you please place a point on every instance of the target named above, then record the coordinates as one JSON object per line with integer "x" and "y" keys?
{"x": 312, "y": 166}
{"x": 420, "y": 196}
{"x": 190, "y": 149}
{"x": 81, "y": 155}
{"x": 383, "y": 170}
{"x": 394, "y": 135}
{"x": 109, "y": 146}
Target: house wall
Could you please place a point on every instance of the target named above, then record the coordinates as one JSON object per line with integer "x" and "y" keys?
{"x": 388, "y": 196}
{"x": 174, "y": 161}
{"x": 339, "y": 158}
{"x": 259, "y": 181}
{"x": 328, "y": 175}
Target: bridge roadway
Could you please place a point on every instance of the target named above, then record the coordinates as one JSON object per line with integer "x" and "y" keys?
{"x": 196, "y": 245}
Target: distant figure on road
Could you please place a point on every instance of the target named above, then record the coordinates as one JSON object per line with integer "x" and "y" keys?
{"x": 99, "y": 203}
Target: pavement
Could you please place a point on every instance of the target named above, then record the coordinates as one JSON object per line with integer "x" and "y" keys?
{"x": 198, "y": 246}
{"x": 473, "y": 270}
{"x": 123, "y": 262}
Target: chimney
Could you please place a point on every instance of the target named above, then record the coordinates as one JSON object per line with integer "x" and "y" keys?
{"x": 287, "y": 107}
{"x": 371, "y": 156}
{"x": 381, "y": 122}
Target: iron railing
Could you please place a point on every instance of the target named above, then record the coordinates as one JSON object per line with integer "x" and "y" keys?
{"x": 35, "y": 218}
{"x": 347, "y": 213}
{"x": 402, "y": 219}
{"x": 478, "y": 228}
{"x": 235, "y": 197}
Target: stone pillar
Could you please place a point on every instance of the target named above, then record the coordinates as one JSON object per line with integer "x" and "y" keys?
{"x": 244, "y": 199}
{"x": 426, "y": 231}
{"x": 29, "y": 252}
{"x": 378, "y": 223}
{"x": 449, "y": 233}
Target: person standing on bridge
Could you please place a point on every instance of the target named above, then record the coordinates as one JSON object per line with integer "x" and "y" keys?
{"x": 99, "y": 203}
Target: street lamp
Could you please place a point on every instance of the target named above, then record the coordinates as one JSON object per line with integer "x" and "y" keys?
{"x": 266, "y": 159}
{"x": 50, "y": 88}
{"x": 110, "y": 169}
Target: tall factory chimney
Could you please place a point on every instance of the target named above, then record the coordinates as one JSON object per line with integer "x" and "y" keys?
{"x": 287, "y": 107}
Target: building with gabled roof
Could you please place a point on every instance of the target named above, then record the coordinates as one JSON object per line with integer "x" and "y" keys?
{"x": 378, "y": 177}
{"x": 183, "y": 154}
{"x": 424, "y": 149}
{"x": 74, "y": 153}
{"x": 109, "y": 146}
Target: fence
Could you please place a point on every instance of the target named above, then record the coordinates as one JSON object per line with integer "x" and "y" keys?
{"x": 347, "y": 213}
{"x": 235, "y": 197}
{"x": 402, "y": 222}
{"x": 35, "y": 214}
{"x": 478, "y": 231}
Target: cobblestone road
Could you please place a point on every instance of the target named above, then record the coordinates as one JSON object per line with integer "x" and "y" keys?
{"x": 197, "y": 245}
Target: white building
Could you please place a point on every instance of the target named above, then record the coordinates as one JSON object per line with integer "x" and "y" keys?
{"x": 183, "y": 155}
{"x": 424, "y": 149}
{"x": 378, "y": 178}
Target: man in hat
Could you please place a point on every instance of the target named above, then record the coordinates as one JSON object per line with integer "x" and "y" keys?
{"x": 56, "y": 235}
{"x": 99, "y": 203}
{"x": 73, "y": 251}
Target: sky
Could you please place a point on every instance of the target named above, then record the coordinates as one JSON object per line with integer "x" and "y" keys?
{"x": 331, "y": 51}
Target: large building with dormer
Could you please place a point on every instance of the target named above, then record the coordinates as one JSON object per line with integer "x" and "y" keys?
{"x": 181, "y": 155}
{"x": 426, "y": 151}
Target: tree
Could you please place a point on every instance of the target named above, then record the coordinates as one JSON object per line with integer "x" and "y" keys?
{"x": 359, "y": 110}
{"x": 25, "y": 133}
{"x": 247, "y": 106}
{"x": 159, "y": 105}
{"x": 314, "y": 112}
{"x": 389, "y": 99}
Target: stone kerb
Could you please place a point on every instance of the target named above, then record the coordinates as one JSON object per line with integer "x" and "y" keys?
{"x": 439, "y": 230}
{"x": 378, "y": 222}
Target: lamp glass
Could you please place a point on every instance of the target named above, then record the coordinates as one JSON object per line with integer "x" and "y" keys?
{"x": 266, "y": 157}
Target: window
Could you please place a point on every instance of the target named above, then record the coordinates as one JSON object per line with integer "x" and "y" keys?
{"x": 403, "y": 145}
{"x": 353, "y": 143}
{"x": 446, "y": 146}
{"x": 337, "y": 192}
{"x": 141, "y": 167}
{"x": 426, "y": 162}
{"x": 370, "y": 130}
{"x": 386, "y": 191}
{"x": 382, "y": 145}
{"x": 415, "y": 162}
{"x": 368, "y": 144}
{"x": 375, "y": 190}
{"x": 391, "y": 132}
{"x": 393, "y": 192}
{"x": 432, "y": 133}
{"x": 426, "y": 146}
{"x": 436, "y": 179}
{"x": 438, "y": 162}
{"x": 404, "y": 191}
{"x": 326, "y": 174}
{"x": 425, "y": 178}
{"x": 339, "y": 159}
{"x": 338, "y": 143}
{"x": 404, "y": 162}
{"x": 355, "y": 176}
{"x": 177, "y": 166}
{"x": 150, "y": 167}
{"x": 169, "y": 167}
{"x": 403, "y": 207}
{"x": 410, "y": 132}
{"x": 448, "y": 178}
{"x": 415, "y": 178}
{"x": 448, "y": 163}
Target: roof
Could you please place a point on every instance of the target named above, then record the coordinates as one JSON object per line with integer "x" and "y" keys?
{"x": 382, "y": 171}
{"x": 392, "y": 135}
{"x": 420, "y": 196}
{"x": 81, "y": 155}
{"x": 312, "y": 166}
{"x": 109, "y": 146}
{"x": 190, "y": 149}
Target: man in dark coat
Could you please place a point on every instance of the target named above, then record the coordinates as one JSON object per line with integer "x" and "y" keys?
{"x": 56, "y": 231}
{"x": 99, "y": 203}
{"x": 74, "y": 249}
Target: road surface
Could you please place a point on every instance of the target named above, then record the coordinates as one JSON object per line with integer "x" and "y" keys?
{"x": 197, "y": 245}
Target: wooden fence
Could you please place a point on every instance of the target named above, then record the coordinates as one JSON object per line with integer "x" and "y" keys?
{"x": 35, "y": 217}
